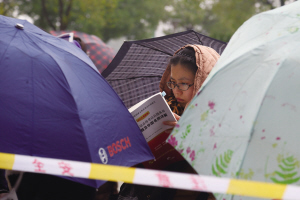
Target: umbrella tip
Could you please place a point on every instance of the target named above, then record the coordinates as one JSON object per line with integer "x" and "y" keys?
{"x": 19, "y": 26}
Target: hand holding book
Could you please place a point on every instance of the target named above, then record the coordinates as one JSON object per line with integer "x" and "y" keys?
{"x": 171, "y": 123}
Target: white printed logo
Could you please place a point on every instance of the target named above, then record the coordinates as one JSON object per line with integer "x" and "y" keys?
{"x": 103, "y": 155}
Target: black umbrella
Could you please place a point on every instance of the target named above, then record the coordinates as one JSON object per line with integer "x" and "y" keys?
{"x": 136, "y": 70}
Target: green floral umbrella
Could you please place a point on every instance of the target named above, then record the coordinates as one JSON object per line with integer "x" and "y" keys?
{"x": 245, "y": 121}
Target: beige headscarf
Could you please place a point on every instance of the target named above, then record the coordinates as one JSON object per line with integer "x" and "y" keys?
{"x": 206, "y": 59}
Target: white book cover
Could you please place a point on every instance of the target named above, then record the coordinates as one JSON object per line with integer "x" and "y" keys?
{"x": 150, "y": 114}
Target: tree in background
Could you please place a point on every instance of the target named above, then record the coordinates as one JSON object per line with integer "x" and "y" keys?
{"x": 226, "y": 23}
{"x": 107, "y": 19}
{"x": 138, "y": 19}
{"x": 134, "y": 19}
{"x": 216, "y": 18}
{"x": 86, "y": 16}
{"x": 7, "y": 7}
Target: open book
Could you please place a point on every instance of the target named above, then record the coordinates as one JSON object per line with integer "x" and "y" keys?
{"x": 149, "y": 115}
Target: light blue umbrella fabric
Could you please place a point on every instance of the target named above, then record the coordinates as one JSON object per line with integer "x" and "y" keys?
{"x": 245, "y": 122}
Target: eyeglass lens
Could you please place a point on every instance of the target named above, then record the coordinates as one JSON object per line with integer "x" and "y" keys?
{"x": 172, "y": 85}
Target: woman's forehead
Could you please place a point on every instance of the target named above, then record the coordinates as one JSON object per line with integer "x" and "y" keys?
{"x": 181, "y": 78}
{"x": 179, "y": 72}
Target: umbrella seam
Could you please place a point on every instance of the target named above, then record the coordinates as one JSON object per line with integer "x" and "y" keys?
{"x": 140, "y": 96}
{"x": 138, "y": 88}
{"x": 162, "y": 37}
{"x": 128, "y": 83}
{"x": 33, "y": 107}
{"x": 198, "y": 38}
{"x": 67, "y": 83}
{"x": 8, "y": 45}
{"x": 137, "y": 77}
{"x": 70, "y": 52}
{"x": 144, "y": 61}
{"x": 153, "y": 49}
{"x": 128, "y": 73}
{"x": 256, "y": 115}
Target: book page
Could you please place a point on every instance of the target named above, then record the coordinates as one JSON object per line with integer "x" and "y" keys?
{"x": 150, "y": 114}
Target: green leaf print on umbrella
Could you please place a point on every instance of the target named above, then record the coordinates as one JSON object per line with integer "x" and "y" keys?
{"x": 187, "y": 131}
{"x": 288, "y": 172}
{"x": 293, "y": 29}
{"x": 242, "y": 174}
{"x": 221, "y": 167}
{"x": 204, "y": 115}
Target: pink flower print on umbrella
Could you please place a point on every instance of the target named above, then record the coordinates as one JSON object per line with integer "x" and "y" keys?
{"x": 215, "y": 146}
{"x": 291, "y": 106}
{"x": 211, "y": 105}
{"x": 192, "y": 155}
{"x": 180, "y": 151}
{"x": 188, "y": 150}
{"x": 172, "y": 141}
{"x": 212, "y": 132}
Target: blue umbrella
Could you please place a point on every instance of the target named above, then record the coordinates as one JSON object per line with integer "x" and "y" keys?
{"x": 54, "y": 103}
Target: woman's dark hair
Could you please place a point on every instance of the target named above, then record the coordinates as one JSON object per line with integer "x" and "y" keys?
{"x": 185, "y": 57}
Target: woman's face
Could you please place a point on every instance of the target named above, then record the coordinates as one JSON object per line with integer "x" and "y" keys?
{"x": 181, "y": 74}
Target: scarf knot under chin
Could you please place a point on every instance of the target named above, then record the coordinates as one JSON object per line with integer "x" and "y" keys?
{"x": 174, "y": 105}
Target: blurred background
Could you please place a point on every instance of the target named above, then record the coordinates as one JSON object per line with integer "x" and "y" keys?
{"x": 117, "y": 20}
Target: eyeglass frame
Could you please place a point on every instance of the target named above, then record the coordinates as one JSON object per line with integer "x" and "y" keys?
{"x": 176, "y": 85}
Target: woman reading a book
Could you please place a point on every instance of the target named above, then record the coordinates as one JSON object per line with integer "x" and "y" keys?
{"x": 183, "y": 77}
{"x": 185, "y": 73}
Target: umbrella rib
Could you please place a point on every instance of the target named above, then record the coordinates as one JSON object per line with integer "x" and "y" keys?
{"x": 124, "y": 66}
{"x": 177, "y": 39}
{"x": 190, "y": 39}
{"x": 120, "y": 79}
{"x": 155, "y": 49}
{"x": 138, "y": 88}
{"x": 156, "y": 68}
{"x": 177, "y": 46}
{"x": 132, "y": 80}
{"x": 8, "y": 46}
{"x": 256, "y": 115}
{"x": 139, "y": 96}
{"x": 145, "y": 54}
{"x": 127, "y": 73}
{"x": 198, "y": 38}
{"x": 67, "y": 83}
{"x": 141, "y": 61}
{"x": 172, "y": 43}
{"x": 213, "y": 40}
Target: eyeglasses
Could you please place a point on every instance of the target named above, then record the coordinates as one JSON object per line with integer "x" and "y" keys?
{"x": 180, "y": 86}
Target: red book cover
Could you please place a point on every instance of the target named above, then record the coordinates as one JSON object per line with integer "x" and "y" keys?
{"x": 164, "y": 153}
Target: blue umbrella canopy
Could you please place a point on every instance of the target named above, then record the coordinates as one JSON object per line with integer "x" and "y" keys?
{"x": 54, "y": 103}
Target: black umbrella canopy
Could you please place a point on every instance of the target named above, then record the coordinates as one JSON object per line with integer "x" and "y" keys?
{"x": 136, "y": 70}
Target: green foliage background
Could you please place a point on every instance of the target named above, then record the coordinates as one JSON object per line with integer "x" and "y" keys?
{"x": 138, "y": 19}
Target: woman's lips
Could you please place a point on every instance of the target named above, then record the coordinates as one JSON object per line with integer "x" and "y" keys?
{"x": 179, "y": 99}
